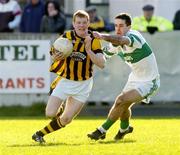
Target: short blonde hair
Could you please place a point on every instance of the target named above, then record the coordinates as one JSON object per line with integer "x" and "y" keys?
{"x": 80, "y": 13}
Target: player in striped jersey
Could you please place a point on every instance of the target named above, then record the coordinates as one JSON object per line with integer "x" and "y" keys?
{"x": 75, "y": 72}
{"x": 143, "y": 80}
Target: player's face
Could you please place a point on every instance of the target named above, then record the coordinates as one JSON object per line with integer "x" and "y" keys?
{"x": 81, "y": 25}
{"x": 120, "y": 27}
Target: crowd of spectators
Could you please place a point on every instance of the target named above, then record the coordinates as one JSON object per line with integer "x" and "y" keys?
{"x": 37, "y": 16}
{"x": 47, "y": 17}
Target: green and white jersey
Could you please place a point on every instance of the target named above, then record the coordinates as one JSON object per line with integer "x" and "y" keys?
{"x": 139, "y": 56}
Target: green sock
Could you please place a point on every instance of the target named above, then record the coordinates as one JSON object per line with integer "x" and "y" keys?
{"x": 108, "y": 124}
{"x": 124, "y": 124}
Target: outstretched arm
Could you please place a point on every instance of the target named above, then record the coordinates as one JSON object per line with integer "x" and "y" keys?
{"x": 114, "y": 39}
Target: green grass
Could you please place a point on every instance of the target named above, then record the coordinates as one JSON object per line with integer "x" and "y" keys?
{"x": 151, "y": 136}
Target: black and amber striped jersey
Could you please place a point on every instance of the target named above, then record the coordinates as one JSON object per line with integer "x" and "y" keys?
{"x": 78, "y": 66}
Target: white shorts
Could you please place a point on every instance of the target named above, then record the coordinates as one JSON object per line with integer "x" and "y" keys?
{"x": 79, "y": 90}
{"x": 145, "y": 89}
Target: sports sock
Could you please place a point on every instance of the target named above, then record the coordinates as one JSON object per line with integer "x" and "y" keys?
{"x": 54, "y": 125}
{"x": 107, "y": 124}
{"x": 124, "y": 125}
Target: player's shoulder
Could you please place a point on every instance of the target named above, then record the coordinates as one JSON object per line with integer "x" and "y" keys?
{"x": 69, "y": 34}
{"x": 135, "y": 33}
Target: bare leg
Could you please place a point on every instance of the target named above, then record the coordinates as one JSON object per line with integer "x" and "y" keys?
{"x": 72, "y": 109}
{"x": 122, "y": 106}
{"x": 53, "y": 106}
{"x": 121, "y": 109}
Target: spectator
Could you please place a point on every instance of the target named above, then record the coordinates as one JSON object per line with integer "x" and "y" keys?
{"x": 176, "y": 21}
{"x": 97, "y": 23}
{"x": 31, "y": 17}
{"x": 53, "y": 20}
{"x": 150, "y": 23}
{"x": 10, "y": 15}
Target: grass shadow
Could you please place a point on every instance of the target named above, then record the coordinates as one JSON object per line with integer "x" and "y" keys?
{"x": 43, "y": 145}
{"x": 69, "y": 144}
{"x": 117, "y": 141}
{"x": 93, "y": 142}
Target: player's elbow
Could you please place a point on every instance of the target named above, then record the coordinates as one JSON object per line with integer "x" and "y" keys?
{"x": 103, "y": 63}
{"x": 102, "y": 66}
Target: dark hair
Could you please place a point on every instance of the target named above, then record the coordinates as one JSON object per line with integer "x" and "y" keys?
{"x": 126, "y": 17}
{"x": 56, "y": 6}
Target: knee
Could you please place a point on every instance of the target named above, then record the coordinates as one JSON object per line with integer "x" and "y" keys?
{"x": 66, "y": 120}
{"x": 119, "y": 102}
{"x": 50, "y": 113}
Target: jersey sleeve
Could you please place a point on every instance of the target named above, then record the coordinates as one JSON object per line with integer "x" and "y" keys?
{"x": 52, "y": 50}
{"x": 135, "y": 41}
{"x": 96, "y": 46}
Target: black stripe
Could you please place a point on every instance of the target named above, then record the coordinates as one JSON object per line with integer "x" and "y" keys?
{"x": 72, "y": 35}
{"x": 50, "y": 91}
{"x": 62, "y": 73}
{"x": 97, "y": 51}
{"x": 68, "y": 67}
{"x": 76, "y": 70}
{"x": 84, "y": 69}
{"x": 84, "y": 66}
{"x": 83, "y": 74}
{"x": 47, "y": 130}
{"x": 64, "y": 35}
{"x": 58, "y": 66}
{"x": 90, "y": 69}
{"x": 80, "y": 44}
{"x": 54, "y": 125}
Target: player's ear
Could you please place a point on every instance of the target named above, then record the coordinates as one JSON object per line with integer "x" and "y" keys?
{"x": 129, "y": 27}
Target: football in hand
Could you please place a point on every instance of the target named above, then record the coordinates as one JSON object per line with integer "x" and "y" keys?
{"x": 63, "y": 45}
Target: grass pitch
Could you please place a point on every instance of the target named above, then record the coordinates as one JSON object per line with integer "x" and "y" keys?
{"x": 151, "y": 136}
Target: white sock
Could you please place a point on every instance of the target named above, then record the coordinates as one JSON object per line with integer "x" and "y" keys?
{"x": 123, "y": 130}
{"x": 102, "y": 130}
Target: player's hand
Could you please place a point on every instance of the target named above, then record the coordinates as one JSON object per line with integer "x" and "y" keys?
{"x": 87, "y": 43}
{"x": 57, "y": 56}
{"x": 97, "y": 35}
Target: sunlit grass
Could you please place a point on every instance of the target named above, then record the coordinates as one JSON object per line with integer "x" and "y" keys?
{"x": 151, "y": 136}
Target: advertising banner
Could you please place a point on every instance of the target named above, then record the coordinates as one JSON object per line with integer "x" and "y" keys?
{"x": 24, "y": 66}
